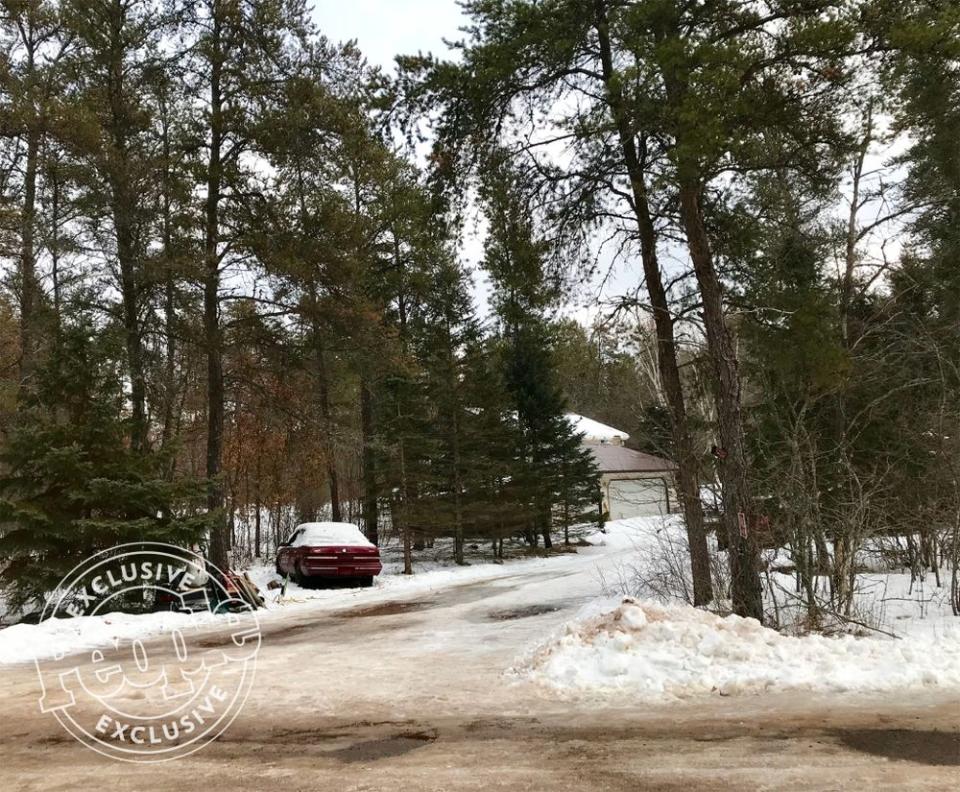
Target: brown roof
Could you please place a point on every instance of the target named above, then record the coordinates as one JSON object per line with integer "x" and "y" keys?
{"x": 619, "y": 459}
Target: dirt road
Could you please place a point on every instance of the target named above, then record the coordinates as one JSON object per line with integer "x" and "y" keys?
{"x": 409, "y": 694}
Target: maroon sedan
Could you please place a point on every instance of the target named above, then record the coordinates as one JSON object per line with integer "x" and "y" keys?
{"x": 329, "y": 551}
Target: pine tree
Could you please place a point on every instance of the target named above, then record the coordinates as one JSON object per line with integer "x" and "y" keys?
{"x": 496, "y": 506}
{"x": 540, "y": 57}
{"x": 550, "y": 460}
{"x": 922, "y": 71}
{"x": 577, "y": 483}
{"x": 448, "y": 334}
{"x": 299, "y": 234}
{"x": 113, "y": 56}
{"x": 72, "y": 485}
{"x": 239, "y": 57}
{"x": 33, "y": 80}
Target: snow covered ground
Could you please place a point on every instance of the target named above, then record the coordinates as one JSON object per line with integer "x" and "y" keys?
{"x": 653, "y": 650}
{"x": 21, "y": 643}
{"x": 390, "y": 584}
{"x": 656, "y": 647}
{"x": 886, "y": 600}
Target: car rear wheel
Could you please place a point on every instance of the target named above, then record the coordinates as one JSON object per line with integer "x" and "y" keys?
{"x": 299, "y": 578}
{"x": 366, "y": 582}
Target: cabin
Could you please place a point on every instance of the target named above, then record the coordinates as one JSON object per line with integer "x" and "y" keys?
{"x": 632, "y": 483}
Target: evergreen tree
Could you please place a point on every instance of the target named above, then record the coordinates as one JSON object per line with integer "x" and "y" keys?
{"x": 449, "y": 340}
{"x": 72, "y": 485}
{"x": 552, "y": 464}
{"x": 497, "y": 502}
{"x": 33, "y": 80}
{"x": 922, "y": 69}
{"x": 110, "y": 132}
{"x": 538, "y": 58}
{"x": 240, "y": 55}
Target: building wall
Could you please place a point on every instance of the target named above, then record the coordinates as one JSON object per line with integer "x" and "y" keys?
{"x": 639, "y": 500}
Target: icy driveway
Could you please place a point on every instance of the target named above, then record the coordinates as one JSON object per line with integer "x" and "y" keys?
{"x": 405, "y": 690}
{"x": 499, "y": 617}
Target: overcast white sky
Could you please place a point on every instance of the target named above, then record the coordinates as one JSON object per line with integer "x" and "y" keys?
{"x": 384, "y": 28}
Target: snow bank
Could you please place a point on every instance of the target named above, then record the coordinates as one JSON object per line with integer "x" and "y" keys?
{"x": 54, "y": 637}
{"x": 662, "y": 652}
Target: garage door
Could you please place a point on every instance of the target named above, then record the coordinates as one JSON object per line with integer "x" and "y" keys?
{"x": 637, "y": 498}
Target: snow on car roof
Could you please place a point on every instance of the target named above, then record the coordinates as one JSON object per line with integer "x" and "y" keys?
{"x": 330, "y": 533}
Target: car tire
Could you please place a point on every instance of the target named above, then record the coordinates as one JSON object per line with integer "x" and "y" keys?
{"x": 366, "y": 582}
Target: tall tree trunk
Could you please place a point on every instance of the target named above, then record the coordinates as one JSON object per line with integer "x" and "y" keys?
{"x": 407, "y": 553}
{"x": 543, "y": 518}
{"x": 853, "y": 231}
{"x": 688, "y": 465}
{"x": 545, "y": 527}
{"x": 457, "y": 472}
{"x": 398, "y": 513}
{"x": 323, "y": 396}
{"x": 123, "y": 210}
{"x": 368, "y": 461}
{"x": 955, "y": 555}
{"x": 211, "y": 301}
{"x": 29, "y": 286}
{"x": 169, "y": 358}
{"x": 53, "y": 178}
{"x": 258, "y": 503}
{"x": 738, "y": 514}
{"x": 129, "y": 291}
{"x": 169, "y": 292}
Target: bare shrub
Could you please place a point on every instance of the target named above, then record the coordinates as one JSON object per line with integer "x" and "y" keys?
{"x": 660, "y": 571}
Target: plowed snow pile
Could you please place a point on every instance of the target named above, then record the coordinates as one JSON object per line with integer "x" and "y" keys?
{"x": 661, "y": 652}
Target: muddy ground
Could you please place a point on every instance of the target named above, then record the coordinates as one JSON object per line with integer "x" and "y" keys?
{"x": 410, "y": 695}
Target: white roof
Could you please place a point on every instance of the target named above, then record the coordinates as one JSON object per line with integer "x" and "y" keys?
{"x": 330, "y": 533}
{"x": 594, "y": 431}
